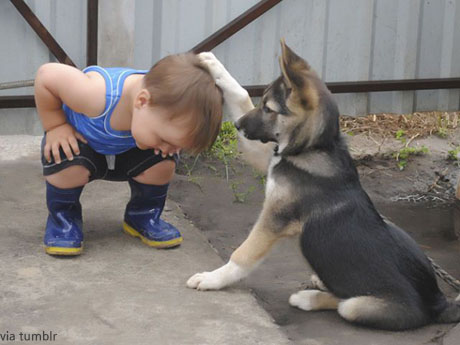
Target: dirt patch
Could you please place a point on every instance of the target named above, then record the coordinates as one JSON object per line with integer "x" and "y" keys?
{"x": 224, "y": 200}
{"x": 413, "y": 125}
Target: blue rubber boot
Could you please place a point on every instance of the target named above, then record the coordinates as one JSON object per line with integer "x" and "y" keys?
{"x": 63, "y": 234}
{"x": 142, "y": 216}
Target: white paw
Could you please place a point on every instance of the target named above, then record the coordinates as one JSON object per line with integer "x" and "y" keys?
{"x": 205, "y": 281}
{"x": 215, "y": 67}
{"x": 303, "y": 299}
{"x": 458, "y": 298}
{"x": 226, "y": 275}
{"x": 233, "y": 92}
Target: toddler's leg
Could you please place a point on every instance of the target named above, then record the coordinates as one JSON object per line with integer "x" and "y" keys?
{"x": 148, "y": 195}
{"x": 64, "y": 235}
{"x": 65, "y": 181}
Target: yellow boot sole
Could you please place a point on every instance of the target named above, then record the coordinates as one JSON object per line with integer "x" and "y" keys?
{"x": 157, "y": 244}
{"x": 64, "y": 251}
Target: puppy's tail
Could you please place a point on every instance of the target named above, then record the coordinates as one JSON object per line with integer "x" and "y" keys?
{"x": 451, "y": 313}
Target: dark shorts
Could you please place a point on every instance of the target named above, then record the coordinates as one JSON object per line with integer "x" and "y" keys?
{"x": 127, "y": 164}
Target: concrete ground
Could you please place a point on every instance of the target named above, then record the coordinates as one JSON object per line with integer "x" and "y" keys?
{"x": 119, "y": 291}
{"x": 122, "y": 292}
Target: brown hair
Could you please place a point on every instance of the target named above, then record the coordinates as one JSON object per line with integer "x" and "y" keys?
{"x": 181, "y": 82}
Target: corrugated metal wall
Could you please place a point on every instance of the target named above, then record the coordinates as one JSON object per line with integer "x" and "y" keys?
{"x": 344, "y": 40}
{"x": 22, "y": 52}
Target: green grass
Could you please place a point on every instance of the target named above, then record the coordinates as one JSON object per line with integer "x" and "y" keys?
{"x": 225, "y": 147}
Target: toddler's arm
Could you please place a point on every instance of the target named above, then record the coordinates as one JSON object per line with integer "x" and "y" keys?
{"x": 56, "y": 84}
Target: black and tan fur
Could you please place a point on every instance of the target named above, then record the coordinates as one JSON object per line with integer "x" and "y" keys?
{"x": 371, "y": 271}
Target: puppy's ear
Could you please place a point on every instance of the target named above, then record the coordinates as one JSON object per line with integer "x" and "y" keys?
{"x": 292, "y": 67}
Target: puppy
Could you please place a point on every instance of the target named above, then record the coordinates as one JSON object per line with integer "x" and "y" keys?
{"x": 369, "y": 270}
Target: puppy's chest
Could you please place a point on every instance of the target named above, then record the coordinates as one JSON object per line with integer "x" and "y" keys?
{"x": 278, "y": 184}
{"x": 288, "y": 179}
{"x": 271, "y": 185}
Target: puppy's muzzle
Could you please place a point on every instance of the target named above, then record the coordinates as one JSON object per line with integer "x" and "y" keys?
{"x": 249, "y": 134}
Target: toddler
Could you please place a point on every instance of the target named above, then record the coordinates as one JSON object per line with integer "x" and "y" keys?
{"x": 121, "y": 124}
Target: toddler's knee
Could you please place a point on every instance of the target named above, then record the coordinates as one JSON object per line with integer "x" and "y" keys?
{"x": 71, "y": 177}
{"x": 160, "y": 173}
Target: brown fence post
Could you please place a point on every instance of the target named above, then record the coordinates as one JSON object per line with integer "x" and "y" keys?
{"x": 91, "y": 32}
{"x": 42, "y": 32}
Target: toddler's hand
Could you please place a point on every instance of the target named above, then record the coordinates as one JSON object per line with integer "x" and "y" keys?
{"x": 64, "y": 136}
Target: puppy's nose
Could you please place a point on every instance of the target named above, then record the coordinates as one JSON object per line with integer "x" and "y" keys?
{"x": 237, "y": 124}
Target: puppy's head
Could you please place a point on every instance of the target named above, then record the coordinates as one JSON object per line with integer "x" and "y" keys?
{"x": 290, "y": 111}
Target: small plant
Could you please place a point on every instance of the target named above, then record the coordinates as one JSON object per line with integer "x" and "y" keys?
{"x": 442, "y": 124}
{"x": 262, "y": 178}
{"x": 188, "y": 168}
{"x": 240, "y": 197}
{"x": 454, "y": 154}
{"x": 400, "y": 135}
{"x": 225, "y": 147}
{"x": 402, "y": 156}
{"x": 442, "y": 132}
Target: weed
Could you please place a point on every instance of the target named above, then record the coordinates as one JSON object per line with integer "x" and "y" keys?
{"x": 189, "y": 169}
{"x": 225, "y": 147}
{"x": 442, "y": 132}
{"x": 240, "y": 197}
{"x": 442, "y": 125}
{"x": 400, "y": 135}
{"x": 402, "y": 156}
{"x": 259, "y": 176}
{"x": 454, "y": 154}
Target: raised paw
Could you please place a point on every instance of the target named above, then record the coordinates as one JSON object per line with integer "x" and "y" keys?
{"x": 215, "y": 67}
{"x": 233, "y": 92}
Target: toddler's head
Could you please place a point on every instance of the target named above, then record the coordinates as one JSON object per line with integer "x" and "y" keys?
{"x": 184, "y": 96}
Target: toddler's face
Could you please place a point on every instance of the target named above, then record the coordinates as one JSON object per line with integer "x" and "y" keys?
{"x": 153, "y": 128}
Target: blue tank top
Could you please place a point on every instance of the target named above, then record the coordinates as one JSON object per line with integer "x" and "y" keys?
{"x": 97, "y": 130}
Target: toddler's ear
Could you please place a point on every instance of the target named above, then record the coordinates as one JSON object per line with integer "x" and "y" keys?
{"x": 142, "y": 98}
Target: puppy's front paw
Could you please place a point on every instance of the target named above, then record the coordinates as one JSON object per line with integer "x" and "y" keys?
{"x": 226, "y": 275}
{"x": 205, "y": 281}
{"x": 214, "y": 66}
{"x": 233, "y": 91}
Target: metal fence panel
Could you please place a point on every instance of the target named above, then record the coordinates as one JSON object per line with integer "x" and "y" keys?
{"x": 344, "y": 40}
